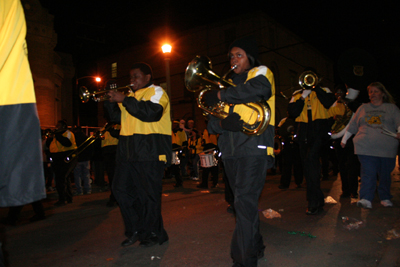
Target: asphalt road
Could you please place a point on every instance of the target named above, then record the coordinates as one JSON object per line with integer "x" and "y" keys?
{"x": 88, "y": 233}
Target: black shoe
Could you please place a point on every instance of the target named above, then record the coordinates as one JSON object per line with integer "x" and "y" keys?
{"x": 36, "y": 218}
{"x": 149, "y": 242}
{"x": 130, "y": 241}
{"x": 314, "y": 211}
{"x": 178, "y": 185}
{"x": 202, "y": 186}
{"x": 110, "y": 203}
{"x": 282, "y": 187}
{"x": 59, "y": 203}
{"x": 230, "y": 209}
{"x": 345, "y": 195}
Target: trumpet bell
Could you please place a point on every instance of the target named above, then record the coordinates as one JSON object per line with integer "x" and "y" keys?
{"x": 308, "y": 79}
{"x": 199, "y": 76}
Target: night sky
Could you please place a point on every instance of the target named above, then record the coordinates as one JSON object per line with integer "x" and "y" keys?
{"x": 90, "y": 29}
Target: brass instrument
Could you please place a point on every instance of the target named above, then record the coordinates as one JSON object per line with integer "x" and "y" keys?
{"x": 199, "y": 76}
{"x": 90, "y": 140}
{"x": 341, "y": 121}
{"x": 85, "y": 95}
{"x": 308, "y": 79}
{"x": 50, "y": 134}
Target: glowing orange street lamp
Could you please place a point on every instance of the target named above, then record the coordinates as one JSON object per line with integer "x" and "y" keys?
{"x": 166, "y": 48}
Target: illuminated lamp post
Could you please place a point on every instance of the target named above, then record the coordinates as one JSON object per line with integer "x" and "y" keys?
{"x": 96, "y": 78}
{"x": 167, "y": 51}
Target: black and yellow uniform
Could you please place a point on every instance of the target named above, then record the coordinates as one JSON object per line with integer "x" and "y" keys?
{"x": 144, "y": 150}
{"x": 210, "y": 142}
{"x": 60, "y": 147}
{"x": 21, "y": 171}
{"x": 246, "y": 159}
{"x": 109, "y": 150}
{"x": 311, "y": 115}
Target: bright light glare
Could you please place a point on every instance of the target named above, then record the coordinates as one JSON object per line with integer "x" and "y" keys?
{"x": 98, "y": 79}
{"x": 166, "y": 48}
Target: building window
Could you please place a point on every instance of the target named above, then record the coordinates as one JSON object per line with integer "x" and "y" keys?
{"x": 114, "y": 70}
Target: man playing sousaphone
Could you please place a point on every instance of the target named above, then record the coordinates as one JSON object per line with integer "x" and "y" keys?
{"x": 246, "y": 157}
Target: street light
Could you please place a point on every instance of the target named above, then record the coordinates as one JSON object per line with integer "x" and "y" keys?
{"x": 96, "y": 78}
{"x": 167, "y": 51}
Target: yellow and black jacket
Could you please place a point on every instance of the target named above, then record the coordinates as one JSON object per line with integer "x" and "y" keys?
{"x": 255, "y": 85}
{"x": 210, "y": 140}
{"x": 145, "y": 125}
{"x": 21, "y": 169}
{"x": 312, "y": 114}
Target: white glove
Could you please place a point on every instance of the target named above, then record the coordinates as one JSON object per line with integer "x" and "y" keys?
{"x": 305, "y": 93}
{"x": 352, "y": 94}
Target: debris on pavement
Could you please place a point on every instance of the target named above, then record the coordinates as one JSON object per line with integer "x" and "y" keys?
{"x": 330, "y": 200}
{"x": 393, "y": 234}
{"x": 270, "y": 214}
{"x": 302, "y": 234}
{"x": 351, "y": 223}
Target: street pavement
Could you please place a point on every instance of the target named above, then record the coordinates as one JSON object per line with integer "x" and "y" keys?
{"x": 88, "y": 233}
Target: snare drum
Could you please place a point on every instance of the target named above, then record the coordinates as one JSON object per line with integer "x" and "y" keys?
{"x": 175, "y": 159}
{"x": 207, "y": 160}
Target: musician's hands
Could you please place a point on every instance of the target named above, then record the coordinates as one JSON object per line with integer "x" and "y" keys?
{"x": 116, "y": 96}
{"x": 232, "y": 123}
{"x": 305, "y": 93}
{"x": 342, "y": 144}
{"x": 211, "y": 98}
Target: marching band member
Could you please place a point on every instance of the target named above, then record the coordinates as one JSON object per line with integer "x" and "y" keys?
{"x": 246, "y": 158}
{"x": 60, "y": 145}
{"x": 310, "y": 107}
{"x": 143, "y": 152}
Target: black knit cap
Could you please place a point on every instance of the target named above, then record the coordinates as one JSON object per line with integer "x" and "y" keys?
{"x": 249, "y": 45}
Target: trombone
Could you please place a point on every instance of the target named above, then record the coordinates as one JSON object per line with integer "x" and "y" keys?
{"x": 85, "y": 95}
{"x": 90, "y": 140}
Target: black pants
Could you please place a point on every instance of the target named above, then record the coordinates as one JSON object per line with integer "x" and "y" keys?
{"x": 349, "y": 167}
{"x": 109, "y": 166}
{"x": 247, "y": 177}
{"x": 175, "y": 170}
{"x": 291, "y": 162}
{"x": 14, "y": 212}
{"x": 61, "y": 176}
{"x": 310, "y": 153}
{"x": 214, "y": 176}
{"x": 137, "y": 186}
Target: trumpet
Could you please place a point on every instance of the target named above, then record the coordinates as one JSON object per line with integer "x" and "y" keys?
{"x": 53, "y": 132}
{"x": 85, "y": 95}
{"x": 90, "y": 140}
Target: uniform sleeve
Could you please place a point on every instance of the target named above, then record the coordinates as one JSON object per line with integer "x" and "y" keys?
{"x": 255, "y": 89}
{"x": 113, "y": 111}
{"x": 325, "y": 97}
{"x": 146, "y": 111}
{"x": 295, "y": 107}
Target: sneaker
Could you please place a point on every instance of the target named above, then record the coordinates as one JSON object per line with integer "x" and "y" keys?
{"x": 195, "y": 178}
{"x": 387, "y": 203}
{"x": 363, "y": 203}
